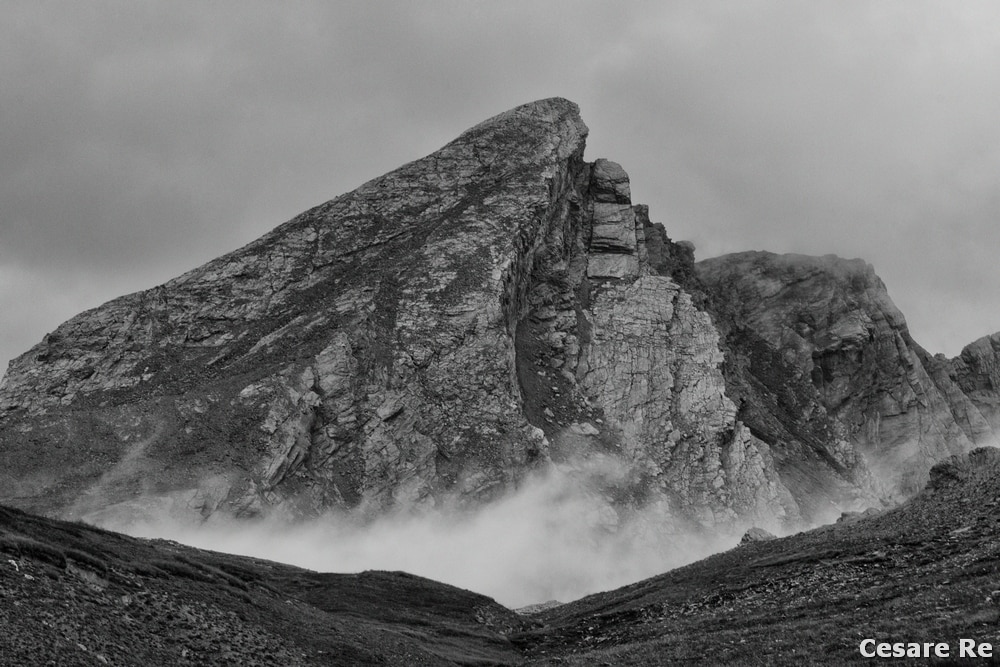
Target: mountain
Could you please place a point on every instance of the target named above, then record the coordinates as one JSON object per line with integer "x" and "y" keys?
{"x": 924, "y": 571}
{"x": 497, "y": 307}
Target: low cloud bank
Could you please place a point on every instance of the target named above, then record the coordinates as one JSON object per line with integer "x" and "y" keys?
{"x": 557, "y": 537}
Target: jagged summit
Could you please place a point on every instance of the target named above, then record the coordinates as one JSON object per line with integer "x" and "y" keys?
{"x": 558, "y": 113}
{"x": 379, "y": 212}
{"x": 496, "y": 307}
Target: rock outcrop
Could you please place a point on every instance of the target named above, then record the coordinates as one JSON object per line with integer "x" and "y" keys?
{"x": 756, "y": 535}
{"x": 498, "y": 306}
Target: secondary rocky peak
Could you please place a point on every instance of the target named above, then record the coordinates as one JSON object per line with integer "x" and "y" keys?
{"x": 977, "y": 372}
{"x": 804, "y": 289}
{"x": 850, "y": 353}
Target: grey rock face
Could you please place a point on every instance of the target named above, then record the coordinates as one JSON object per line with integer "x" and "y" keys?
{"x": 614, "y": 235}
{"x": 654, "y": 367}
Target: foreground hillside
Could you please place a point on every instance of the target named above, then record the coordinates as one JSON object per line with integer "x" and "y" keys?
{"x": 928, "y": 571}
{"x": 71, "y": 594}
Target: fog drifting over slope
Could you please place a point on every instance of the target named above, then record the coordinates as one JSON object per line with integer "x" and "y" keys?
{"x": 557, "y": 537}
{"x": 554, "y": 538}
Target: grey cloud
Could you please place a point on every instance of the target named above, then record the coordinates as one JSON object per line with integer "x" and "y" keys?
{"x": 142, "y": 140}
{"x": 853, "y": 128}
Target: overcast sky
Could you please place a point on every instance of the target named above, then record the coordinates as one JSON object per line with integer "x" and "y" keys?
{"x": 141, "y": 139}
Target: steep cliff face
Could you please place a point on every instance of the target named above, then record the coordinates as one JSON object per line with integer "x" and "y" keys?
{"x": 831, "y": 355}
{"x": 497, "y": 307}
{"x": 615, "y": 357}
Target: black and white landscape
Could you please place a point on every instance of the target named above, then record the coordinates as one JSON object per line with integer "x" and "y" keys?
{"x": 500, "y": 366}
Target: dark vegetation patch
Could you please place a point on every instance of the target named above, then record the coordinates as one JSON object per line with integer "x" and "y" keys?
{"x": 26, "y": 547}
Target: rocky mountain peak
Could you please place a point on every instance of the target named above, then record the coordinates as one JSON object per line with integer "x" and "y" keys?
{"x": 556, "y": 117}
{"x": 498, "y": 307}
